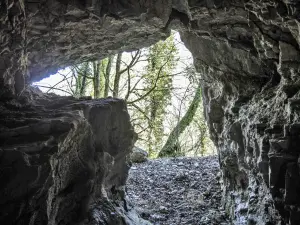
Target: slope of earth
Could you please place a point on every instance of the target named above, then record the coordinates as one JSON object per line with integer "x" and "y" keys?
{"x": 173, "y": 191}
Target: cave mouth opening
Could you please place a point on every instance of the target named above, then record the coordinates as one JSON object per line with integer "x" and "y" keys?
{"x": 160, "y": 86}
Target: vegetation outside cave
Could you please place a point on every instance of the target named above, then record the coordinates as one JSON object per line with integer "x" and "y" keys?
{"x": 162, "y": 91}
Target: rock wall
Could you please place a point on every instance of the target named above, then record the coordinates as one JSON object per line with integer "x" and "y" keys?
{"x": 249, "y": 58}
{"x": 247, "y": 53}
{"x": 61, "y": 159}
{"x": 39, "y": 37}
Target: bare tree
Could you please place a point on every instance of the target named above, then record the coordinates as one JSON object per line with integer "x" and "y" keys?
{"x": 134, "y": 60}
{"x": 107, "y": 75}
{"x": 171, "y": 145}
{"x": 96, "y": 78}
{"x": 117, "y": 76}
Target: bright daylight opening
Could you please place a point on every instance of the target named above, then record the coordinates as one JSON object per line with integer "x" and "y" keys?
{"x": 162, "y": 90}
{"x": 178, "y": 184}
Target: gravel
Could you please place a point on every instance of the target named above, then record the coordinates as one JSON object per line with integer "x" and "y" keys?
{"x": 177, "y": 191}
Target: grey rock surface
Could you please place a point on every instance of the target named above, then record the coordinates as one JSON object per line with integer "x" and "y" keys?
{"x": 247, "y": 53}
{"x": 138, "y": 155}
{"x": 63, "y": 161}
{"x": 173, "y": 191}
{"x": 248, "y": 56}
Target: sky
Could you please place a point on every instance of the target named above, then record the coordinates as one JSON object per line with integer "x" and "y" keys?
{"x": 184, "y": 54}
{"x": 180, "y": 97}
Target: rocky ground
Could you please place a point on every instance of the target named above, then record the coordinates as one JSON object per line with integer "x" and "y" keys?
{"x": 177, "y": 191}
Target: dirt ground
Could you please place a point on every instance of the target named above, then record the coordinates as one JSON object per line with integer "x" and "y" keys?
{"x": 177, "y": 191}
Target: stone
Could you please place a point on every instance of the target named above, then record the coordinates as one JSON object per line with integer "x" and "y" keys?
{"x": 288, "y": 52}
{"x": 177, "y": 202}
{"x": 61, "y": 163}
{"x": 138, "y": 155}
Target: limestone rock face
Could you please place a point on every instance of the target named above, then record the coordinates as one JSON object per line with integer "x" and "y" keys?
{"x": 61, "y": 159}
{"x": 247, "y": 53}
{"x": 248, "y": 56}
{"x": 40, "y": 37}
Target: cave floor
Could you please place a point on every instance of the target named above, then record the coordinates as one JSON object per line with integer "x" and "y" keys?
{"x": 177, "y": 191}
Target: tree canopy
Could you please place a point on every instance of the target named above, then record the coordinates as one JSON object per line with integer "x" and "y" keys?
{"x": 162, "y": 91}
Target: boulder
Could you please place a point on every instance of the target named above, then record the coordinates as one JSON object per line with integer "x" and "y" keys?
{"x": 138, "y": 155}
{"x": 63, "y": 161}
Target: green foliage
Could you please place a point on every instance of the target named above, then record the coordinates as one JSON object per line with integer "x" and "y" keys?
{"x": 90, "y": 78}
{"x": 161, "y": 62}
{"x": 195, "y": 139}
{"x": 171, "y": 146}
{"x": 145, "y": 79}
{"x": 82, "y": 72}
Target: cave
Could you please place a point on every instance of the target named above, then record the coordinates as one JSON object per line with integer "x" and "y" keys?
{"x": 63, "y": 160}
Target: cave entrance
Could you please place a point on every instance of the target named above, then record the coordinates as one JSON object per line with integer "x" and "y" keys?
{"x": 179, "y": 182}
{"x": 162, "y": 90}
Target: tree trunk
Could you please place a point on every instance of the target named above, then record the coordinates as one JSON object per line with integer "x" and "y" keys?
{"x": 150, "y": 141}
{"x": 96, "y": 70}
{"x": 202, "y": 140}
{"x": 107, "y": 75}
{"x": 83, "y": 80}
{"x": 117, "y": 76}
{"x": 170, "y": 147}
{"x": 77, "y": 82}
